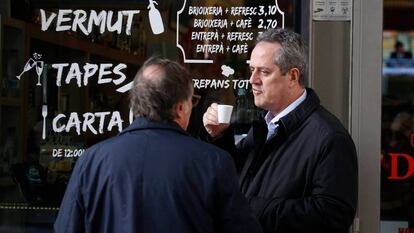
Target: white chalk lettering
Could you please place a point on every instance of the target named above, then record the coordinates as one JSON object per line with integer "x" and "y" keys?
{"x": 74, "y": 73}
{"x": 57, "y": 153}
{"x": 73, "y": 20}
{"x": 98, "y": 20}
{"x": 240, "y": 84}
{"x": 56, "y": 128}
{"x": 69, "y": 153}
{"x": 115, "y": 121}
{"x": 80, "y": 18}
{"x": 117, "y": 26}
{"x": 59, "y": 67}
{"x": 205, "y": 10}
{"x": 269, "y": 23}
{"x": 74, "y": 122}
{"x": 90, "y": 70}
{"x": 243, "y": 11}
{"x": 101, "y": 116}
{"x": 89, "y": 119}
{"x": 104, "y": 71}
{"x": 220, "y": 83}
{"x": 210, "y": 48}
{"x": 240, "y": 48}
{"x": 211, "y": 83}
{"x": 204, "y": 36}
{"x": 210, "y": 23}
{"x": 129, "y": 15}
{"x": 244, "y": 23}
{"x": 240, "y": 36}
{"x": 62, "y": 18}
{"x": 117, "y": 71}
{"x": 45, "y": 22}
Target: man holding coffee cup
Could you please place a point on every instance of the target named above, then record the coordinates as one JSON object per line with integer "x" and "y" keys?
{"x": 298, "y": 164}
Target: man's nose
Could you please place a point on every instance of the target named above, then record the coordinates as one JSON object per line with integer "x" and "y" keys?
{"x": 253, "y": 77}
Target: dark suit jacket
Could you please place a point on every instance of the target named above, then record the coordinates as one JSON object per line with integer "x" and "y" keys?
{"x": 152, "y": 178}
{"x": 303, "y": 179}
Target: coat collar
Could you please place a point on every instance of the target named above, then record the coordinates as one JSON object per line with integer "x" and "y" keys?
{"x": 292, "y": 120}
{"x": 142, "y": 123}
{"x": 295, "y": 118}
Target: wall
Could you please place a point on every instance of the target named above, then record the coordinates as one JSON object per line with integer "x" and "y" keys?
{"x": 349, "y": 85}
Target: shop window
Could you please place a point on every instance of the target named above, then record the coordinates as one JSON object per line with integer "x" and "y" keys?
{"x": 66, "y": 68}
{"x": 397, "y": 145}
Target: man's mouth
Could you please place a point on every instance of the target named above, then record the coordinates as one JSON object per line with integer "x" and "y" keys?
{"x": 256, "y": 91}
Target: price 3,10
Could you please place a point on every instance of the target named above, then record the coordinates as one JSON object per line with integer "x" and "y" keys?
{"x": 271, "y": 10}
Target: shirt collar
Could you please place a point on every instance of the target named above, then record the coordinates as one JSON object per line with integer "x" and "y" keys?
{"x": 270, "y": 119}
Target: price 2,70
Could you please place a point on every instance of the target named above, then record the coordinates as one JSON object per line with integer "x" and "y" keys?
{"x": 269, "y": 23}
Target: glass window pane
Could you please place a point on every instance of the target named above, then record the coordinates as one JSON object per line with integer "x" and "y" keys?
{"x": 397, "y": 161}
{"x": 66, "y": 68}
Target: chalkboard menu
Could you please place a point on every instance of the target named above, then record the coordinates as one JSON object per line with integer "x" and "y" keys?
{"x": 67, "y": 66}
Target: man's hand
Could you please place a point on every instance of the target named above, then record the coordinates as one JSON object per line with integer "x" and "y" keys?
{"x": 210, "y": 122}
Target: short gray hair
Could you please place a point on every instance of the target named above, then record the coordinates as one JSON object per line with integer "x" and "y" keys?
{"x": 156, "y": 97}
{"x": 293, "y": 52}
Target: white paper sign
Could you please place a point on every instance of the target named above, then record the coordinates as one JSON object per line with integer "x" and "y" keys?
{"x": 332, "y": 10}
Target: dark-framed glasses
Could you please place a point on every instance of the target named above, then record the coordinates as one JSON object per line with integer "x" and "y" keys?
{"x": 195, "y": 99}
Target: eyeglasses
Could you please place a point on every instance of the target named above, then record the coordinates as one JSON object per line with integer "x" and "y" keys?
{"x": 195, "y": 99}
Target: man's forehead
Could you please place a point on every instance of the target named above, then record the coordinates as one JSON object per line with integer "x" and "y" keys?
{"x": 262, "y": 62}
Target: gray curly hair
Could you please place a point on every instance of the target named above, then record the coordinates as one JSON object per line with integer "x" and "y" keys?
{"x": 293, "y": 52}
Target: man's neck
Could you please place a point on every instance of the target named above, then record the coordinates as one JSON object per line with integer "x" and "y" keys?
{"x": 299, "y": 98}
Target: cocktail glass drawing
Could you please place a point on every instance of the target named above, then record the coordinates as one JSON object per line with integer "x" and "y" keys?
{"x": 28, "y": 66}
{"x": 39, "y": 70}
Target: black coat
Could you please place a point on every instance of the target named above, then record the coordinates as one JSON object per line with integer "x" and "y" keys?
{"x": 304, "y": 179}
{"x": 152, "y": 178}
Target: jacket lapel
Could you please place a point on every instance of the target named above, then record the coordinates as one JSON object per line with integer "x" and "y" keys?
{"x": 259, "y": 133}
{"x": 262, "y": 149}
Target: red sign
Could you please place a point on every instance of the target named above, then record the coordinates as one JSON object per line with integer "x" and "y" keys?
{"x": 394, "y": 166}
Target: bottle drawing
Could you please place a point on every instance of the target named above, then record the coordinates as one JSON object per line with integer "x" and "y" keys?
{"x": 157, "y": 26}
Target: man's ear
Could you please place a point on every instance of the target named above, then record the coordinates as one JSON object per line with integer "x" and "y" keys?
{"x": 179, "y": 110}
{"x": 294, "y": 75}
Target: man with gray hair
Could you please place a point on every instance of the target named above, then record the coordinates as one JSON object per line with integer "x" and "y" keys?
{"x": 298, "y": 165}
{"x": 153, "y": 177}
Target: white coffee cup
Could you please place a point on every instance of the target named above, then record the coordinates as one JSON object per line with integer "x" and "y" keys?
{"x": 224, "y": 113}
